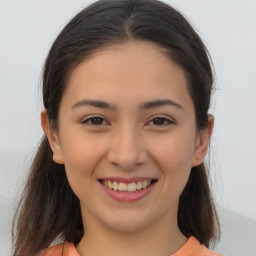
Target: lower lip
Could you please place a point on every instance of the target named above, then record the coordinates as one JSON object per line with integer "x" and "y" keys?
{"x": 125, "y": 196}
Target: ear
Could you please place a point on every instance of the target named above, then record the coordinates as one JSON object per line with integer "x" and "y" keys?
{"x": 52, "y": 138}
{"x": 202, "y": 142}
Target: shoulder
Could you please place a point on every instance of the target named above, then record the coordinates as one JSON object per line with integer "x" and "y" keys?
{"x": 194, "y": 248}
{"x": 203, "y": 251}
{"x": 64, "y": 249}
{"x": 206, "y": 252}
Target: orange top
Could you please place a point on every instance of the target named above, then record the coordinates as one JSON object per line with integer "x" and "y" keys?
{"x": 191, "y": 248}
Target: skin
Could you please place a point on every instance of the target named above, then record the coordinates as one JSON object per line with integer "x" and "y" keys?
{"x": 128, "y": 142}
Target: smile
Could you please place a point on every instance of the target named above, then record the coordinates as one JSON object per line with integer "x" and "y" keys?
{"x": 127, "y": 190}
{"x": 131, "y": 187}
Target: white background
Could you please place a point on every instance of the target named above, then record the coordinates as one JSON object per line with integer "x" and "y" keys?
{"x": 228, "y": 28}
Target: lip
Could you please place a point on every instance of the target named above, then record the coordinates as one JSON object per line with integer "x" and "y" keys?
{"x": 127, "y": 196}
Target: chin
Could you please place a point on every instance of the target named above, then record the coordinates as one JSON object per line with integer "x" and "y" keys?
{"x": 128, "y": 222}
{"x": 127, "y": 227}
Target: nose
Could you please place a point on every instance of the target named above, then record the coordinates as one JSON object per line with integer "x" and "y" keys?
{"x": 126, "y": 149}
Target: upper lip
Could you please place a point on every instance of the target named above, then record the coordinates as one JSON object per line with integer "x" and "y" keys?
{"x": 126, "y": 180}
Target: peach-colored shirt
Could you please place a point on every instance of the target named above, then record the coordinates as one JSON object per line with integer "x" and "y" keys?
{"x": 191, "y": 248}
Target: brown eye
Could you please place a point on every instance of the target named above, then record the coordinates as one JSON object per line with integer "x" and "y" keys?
{"x": 95, "y": 121}
{"x": 160, "y": 121}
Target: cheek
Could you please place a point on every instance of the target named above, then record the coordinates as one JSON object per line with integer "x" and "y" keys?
{"x": 81, "y": 157}
{"x": 82, "y": 151}
{"x": 175, "y": 151}
{"x": 174, "y": 157}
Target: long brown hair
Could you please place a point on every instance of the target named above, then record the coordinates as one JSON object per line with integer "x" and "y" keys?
{"x": 48, "y": 208}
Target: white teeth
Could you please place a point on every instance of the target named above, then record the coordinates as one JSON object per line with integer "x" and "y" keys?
{"x": 132, "y": 187}
{"x": 124, "y": 187}
{"x": 109, "y": 184}
{"x": 139, "y": 185}
{"x": 115, "y": 185}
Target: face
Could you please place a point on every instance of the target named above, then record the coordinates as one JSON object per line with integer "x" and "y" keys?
{"x": 127, "y": 136}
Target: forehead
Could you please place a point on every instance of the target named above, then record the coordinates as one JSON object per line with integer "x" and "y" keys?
{"x": 137, "y": 57}
{"x": 128, "y": 70}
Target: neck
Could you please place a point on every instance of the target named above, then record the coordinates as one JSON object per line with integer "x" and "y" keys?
{"x": 157, "y": 239}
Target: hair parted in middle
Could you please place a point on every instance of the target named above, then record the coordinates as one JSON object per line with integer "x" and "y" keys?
{"x": 49, "y": 208}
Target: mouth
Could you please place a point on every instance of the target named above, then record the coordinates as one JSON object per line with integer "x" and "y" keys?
{"x": 127, "y": 187}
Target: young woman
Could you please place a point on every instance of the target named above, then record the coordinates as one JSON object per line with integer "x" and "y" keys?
{"x": 126, "y": 89}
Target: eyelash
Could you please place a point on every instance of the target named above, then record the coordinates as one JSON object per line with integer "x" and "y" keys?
{"x": 164, "y": 119}
{"x": 88, "y": 121}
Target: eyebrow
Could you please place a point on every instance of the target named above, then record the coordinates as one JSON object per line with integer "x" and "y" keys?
{"x": 94, "y": 103}
{"x": 160, "y": 103}
{"x": 144, "y": 106}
